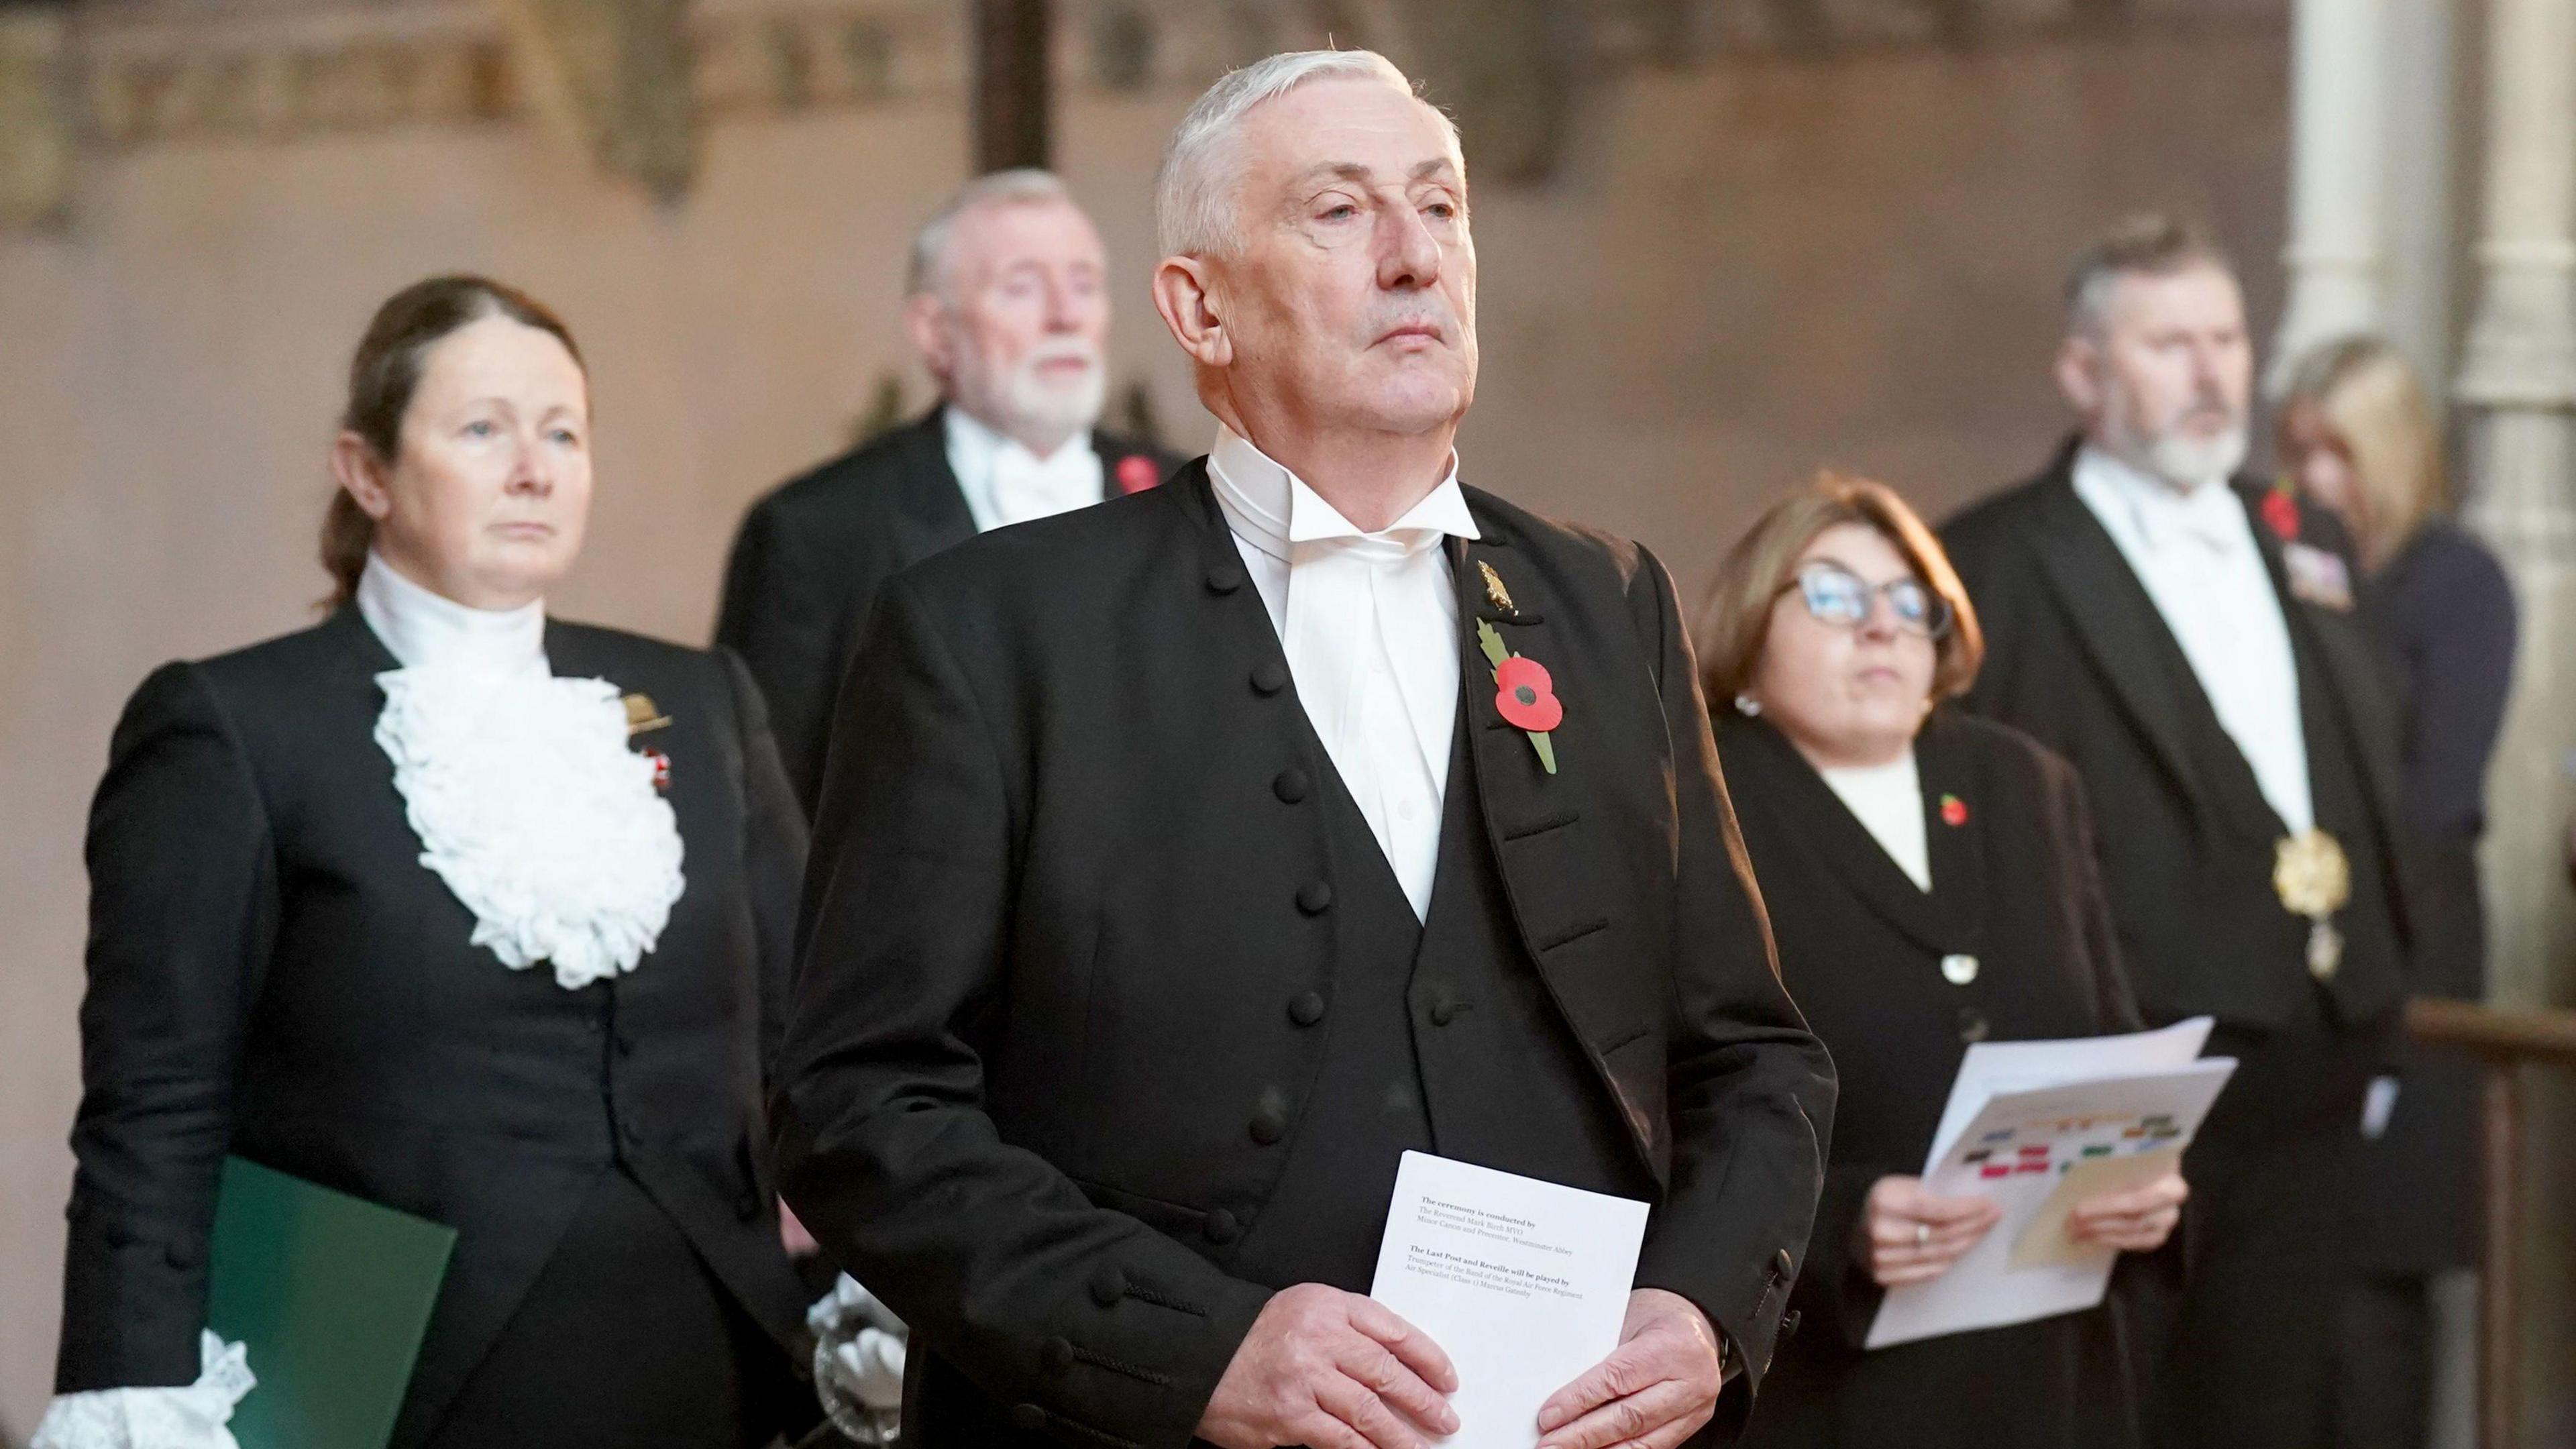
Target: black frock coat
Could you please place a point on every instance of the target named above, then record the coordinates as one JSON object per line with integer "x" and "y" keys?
{"x": 273, "y": 973}
{"x": 1072, "y": 915}
{"x": 813, "y": 552}
{"x": 2014, "y": 885}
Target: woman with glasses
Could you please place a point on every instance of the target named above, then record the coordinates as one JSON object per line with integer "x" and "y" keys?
{"x": 1931, "y": 883}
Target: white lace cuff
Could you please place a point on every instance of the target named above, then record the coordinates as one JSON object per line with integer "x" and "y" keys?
{"x": 183, "y": 1418}
{"x": 859, "y": 1348}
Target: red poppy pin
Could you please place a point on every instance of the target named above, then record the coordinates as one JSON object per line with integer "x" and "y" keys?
{"x": 1136, "y": 473}
{"x": 1523, "y": 694}
{"x": 661, "y": 770}
{"x": 1954, "y": 811}
{"x": 2280, "y": 509}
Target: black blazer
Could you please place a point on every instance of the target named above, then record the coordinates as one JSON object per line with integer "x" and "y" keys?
{"x": 2015, "y": 886}
{"x": 1058, "y": 913}
{"x": 813, "y": 552}
{"x": 2077, "y": 655}
{"x": 273, "y": 973}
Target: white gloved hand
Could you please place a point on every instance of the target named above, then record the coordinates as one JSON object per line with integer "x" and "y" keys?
{"x": 192, "y": 1417}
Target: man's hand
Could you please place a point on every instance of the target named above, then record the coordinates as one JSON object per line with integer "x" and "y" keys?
{"x": 2136, "y": 1221}
{"x": 1656, "y": 1389}
{"x": 1910, "y": 1236}
{"x": 1332, "y": 1370}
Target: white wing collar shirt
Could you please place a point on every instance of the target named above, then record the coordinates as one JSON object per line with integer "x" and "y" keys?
{"x": 1005, "y": 483}
{"x": 1369, "y": 622}
{"x": 2195, "y": 553}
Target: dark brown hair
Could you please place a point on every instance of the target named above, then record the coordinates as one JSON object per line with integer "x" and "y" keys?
{"x": 1735, "y": 621}
{"x": 384, "y": 374}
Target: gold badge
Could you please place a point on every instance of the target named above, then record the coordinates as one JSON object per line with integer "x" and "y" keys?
{"x": 2313, "y": 879}
{"x": 643, "y": 715}
{"x": 1494, "y": 590}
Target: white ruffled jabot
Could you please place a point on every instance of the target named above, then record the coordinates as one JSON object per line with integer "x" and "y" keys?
{"x": 192, "y": 1417}
{"x": 520, "y": 785}
{"x": 533, "y": 810}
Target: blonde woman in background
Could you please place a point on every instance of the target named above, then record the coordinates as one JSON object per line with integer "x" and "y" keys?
{"x": 2358, "y": 439}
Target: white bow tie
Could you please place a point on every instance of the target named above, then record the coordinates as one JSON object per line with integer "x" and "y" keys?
{"x": 1026, "y": 486}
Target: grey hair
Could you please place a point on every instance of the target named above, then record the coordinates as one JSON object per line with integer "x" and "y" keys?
{"x": 2145, "y": 245}
{"x": 1197, "y": 209}
{"x": 927, "y": 271}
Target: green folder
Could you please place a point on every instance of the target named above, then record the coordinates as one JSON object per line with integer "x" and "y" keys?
{"x": 332, "y": 1294}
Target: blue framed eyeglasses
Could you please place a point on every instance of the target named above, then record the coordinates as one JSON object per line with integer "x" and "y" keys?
{"x": 1837, "y": 596}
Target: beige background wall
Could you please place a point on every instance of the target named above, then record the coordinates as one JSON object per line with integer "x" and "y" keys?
{"x": 1745, "y": 270}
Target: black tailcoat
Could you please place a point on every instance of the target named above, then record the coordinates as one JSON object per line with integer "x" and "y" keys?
{"x": 1076, "y": 925}
{"x": 2078, "y": 656}
{"x": 2015, "y": 887}
{"x": 813, "y": 553}
{"x": 273, "y": 972}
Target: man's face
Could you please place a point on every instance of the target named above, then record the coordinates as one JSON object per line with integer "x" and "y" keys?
{"x": 2165, "y": 382}
{"x": 1351, "y": 301}
{"x": 1017, "y": 325}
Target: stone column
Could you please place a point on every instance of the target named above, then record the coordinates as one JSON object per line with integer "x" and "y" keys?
{"x": 2337, "y": 82}
{"x": 2421, "y": 228}
{"x": 2518, "y": 387}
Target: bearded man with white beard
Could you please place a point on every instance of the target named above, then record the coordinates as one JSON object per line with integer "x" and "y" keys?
{"x": 2186, "y": 639}
{"x": 1006, "y": 300}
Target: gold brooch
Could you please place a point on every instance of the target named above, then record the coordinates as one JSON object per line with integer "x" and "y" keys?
{"x": 643, "y": 715}
{"x": 2313, "y": 879}
{"x": 1501, "y": 597}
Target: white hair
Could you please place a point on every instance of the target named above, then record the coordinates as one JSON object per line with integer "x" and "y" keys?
{"x": 1021, "y": 186}
{"x": 1197, "y": 206}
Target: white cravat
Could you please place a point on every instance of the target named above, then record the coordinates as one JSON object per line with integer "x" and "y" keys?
{"x": 1005, "y": 483}
{"x": 1369, "y": 622}
{"x": 422, "y": 628}
{"x": 2195, "y": 553}
{"x": 1888, "y": 801}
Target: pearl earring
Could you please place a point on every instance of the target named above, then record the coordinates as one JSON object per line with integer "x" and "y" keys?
{"x": 1746, "y": 704}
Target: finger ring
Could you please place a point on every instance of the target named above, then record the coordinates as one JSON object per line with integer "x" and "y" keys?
{"x": 1922, "y": 1234}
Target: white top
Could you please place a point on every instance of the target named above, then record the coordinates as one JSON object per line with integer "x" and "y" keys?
{"x": 192, "y": 1416}
{"x": 1888, "y": 800}
{"x": 1005, "y": 483}
{"x": 2196, "y": 554}
{"x": 423, "y": 627}
{"x": 527, "y": 799}
{"x": 1370, "y": 625}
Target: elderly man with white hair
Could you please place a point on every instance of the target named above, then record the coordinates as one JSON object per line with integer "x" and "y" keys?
{"x": 1006, "y": 299}
{"x": 1187, "y": 861}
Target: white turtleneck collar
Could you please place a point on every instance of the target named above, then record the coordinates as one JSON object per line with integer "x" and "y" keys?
{"x": 424, "y": 629}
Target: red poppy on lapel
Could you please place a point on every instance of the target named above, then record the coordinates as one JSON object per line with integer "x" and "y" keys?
{"x": 2281, "y": 513}
{"x": 1954, "y": 811}
{"x": 1136, "y": 473}
{"x": 661, "y": 770}
{"x": 1525, "y": 696}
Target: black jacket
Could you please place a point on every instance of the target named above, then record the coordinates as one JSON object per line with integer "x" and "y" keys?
{"x": 1065, "y": 898}
{"x": 814, "y": 551}
{"x": 273, "y": 972}
{"x": 2077, "y": 656}
{"x": 2015, "y": 887}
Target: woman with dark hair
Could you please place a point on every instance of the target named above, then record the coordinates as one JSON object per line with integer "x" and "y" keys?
{"x": 2359, "y": 439}
{"x": 459, "y": 909}
{"x": 1931, "y": 883}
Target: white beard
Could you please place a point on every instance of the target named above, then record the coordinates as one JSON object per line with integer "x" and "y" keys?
{"x": 2187, "y": 462}
{"x": 1029, "y": 406}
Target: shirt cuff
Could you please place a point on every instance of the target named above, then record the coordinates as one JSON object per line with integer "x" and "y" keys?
{"x": 192, "y": 1417}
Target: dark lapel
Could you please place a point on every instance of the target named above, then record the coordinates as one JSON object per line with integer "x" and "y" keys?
{"x": 930, "y": 514}
{"x": 2116, "y": 621}
{"x": 1842, "y": 847}
{"x": 1532, "y": 818}
{"x": 1957, "y": 833}
{"x": 2342, "y": 654}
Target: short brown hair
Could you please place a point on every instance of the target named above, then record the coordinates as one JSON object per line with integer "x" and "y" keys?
{"x": 384, "y": 374}
{"x": 1735, "y": 620}
{"x": 2148, "y": 244}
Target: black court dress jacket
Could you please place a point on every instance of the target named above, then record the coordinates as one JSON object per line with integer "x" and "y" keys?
{"x": 814, "y": 551}
{"x": 1094, "y": 951}
{"x": 273, "y": 973}
{"x": 2014, "y": 890}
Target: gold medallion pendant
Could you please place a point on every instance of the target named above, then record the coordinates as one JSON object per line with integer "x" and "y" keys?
{"x": 2313, "y": 879}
